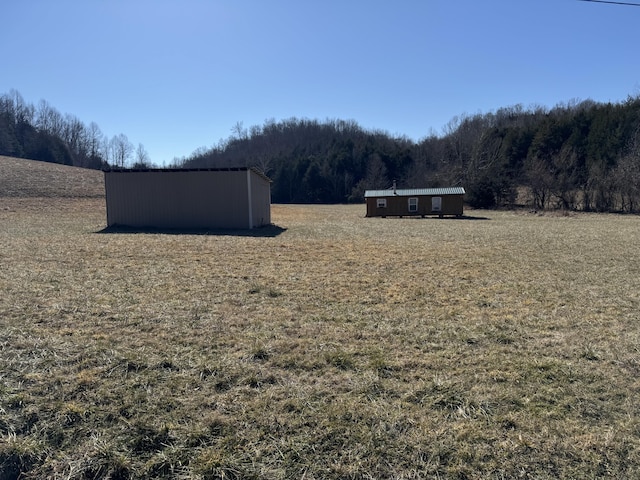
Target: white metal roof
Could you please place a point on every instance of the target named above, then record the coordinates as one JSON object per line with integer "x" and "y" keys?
{"x": 414, "y": 192}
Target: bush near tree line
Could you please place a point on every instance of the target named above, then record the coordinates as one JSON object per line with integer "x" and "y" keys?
{"x": 577, "y": 156}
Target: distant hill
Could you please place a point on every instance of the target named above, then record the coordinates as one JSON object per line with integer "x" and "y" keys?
{"x": 30, "y": 178}
{"x": 580, "y": 155}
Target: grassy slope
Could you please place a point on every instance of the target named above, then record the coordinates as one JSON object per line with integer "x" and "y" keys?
{"x": 30, "y": 178}
{"x": 345, "y": 347}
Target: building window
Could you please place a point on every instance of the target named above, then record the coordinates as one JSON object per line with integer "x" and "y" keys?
{"x": 413, "y": 204}
{"x": 382, "y": 203}
{"x": 436, "y": 204}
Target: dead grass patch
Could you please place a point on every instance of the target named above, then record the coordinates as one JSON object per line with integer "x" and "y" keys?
{"x": 345, "y": 347}
{"x": 31, "y": 178}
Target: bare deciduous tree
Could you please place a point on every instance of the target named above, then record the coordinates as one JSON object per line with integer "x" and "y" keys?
{"x": 94, "y": 138}
{"x": 142, "y": 158}
{"x": 121, "y": 150}
{"x": 49, "y": 120}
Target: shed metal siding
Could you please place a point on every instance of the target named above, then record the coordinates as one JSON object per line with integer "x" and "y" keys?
{"x": 261, "y": 200}
{"x": 184, "y": 199}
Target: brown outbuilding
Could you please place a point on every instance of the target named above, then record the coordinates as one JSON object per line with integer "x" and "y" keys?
{"x": 231, "y": 198}
{"x": 415, "y": 202}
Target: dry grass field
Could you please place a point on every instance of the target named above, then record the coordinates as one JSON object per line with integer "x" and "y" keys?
{"x": 28, "y": 178}
{"x": 502, "y": 345}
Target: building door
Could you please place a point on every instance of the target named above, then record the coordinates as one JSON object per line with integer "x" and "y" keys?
{"x": 436, "y": 204}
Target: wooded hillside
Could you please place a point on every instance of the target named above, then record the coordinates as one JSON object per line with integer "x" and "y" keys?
{"x": 578, "y": 156}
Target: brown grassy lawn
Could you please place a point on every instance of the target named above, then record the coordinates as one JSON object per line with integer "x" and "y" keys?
{"x": 346, "y": 347}
{"x": 30, "y": 178}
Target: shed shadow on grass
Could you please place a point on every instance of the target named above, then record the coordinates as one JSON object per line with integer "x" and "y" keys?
{"x": 465, "y": 217}
{"x": 435, "y": 217}
{"x": 269, "y": 231}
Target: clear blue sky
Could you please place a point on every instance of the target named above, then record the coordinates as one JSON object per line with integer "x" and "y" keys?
{"x": 176, "y": 75}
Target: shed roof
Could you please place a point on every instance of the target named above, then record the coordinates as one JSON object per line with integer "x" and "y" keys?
{"x": 171, "y": 170}
{"x": 414, "y": 192}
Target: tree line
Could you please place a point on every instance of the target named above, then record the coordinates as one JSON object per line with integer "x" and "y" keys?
{"x": 42, "y": 133}
{"x": 579, "y": 155}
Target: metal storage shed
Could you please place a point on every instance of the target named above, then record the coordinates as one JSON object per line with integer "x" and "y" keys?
{"x": 232, "y": 198}
{"x": 417, "y": 201}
